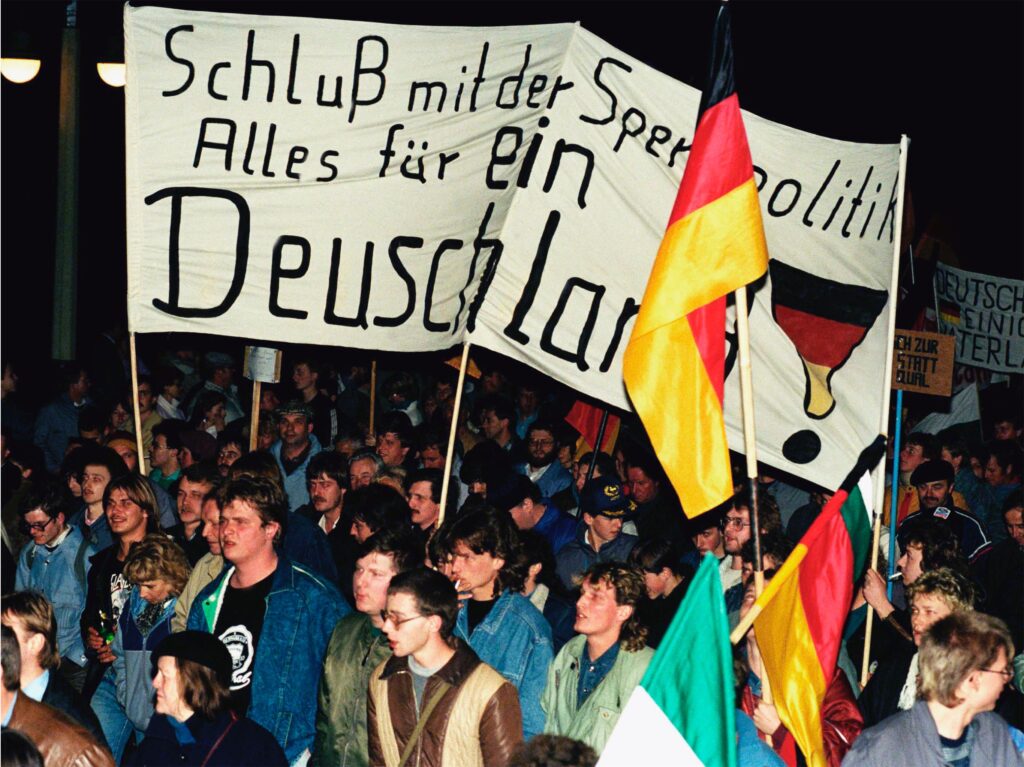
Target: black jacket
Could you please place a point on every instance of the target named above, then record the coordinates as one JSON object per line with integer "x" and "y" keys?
{"x": 246, "y": 744}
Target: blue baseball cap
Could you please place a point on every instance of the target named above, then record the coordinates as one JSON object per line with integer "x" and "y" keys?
{"x": 604, "y": 495}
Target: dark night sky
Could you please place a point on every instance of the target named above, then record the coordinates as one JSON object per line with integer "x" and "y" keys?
{"x": 947, "y": 74}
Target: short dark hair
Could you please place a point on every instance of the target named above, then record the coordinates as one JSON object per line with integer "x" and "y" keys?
{"x": 49, "y": 496}
{"x": 107, "y": 457}
{"x": 434, "y": 476}
{"x": 939, "y": 545}
{"x": 91, "y": 418}
{"x": 168, "y": 375}
{"x": 10, "y": 657}
{"x": 485, "y": 462}
{"x": 605, "y": 464}
{"x": 773, "y": 544}
{"x": 647, "y": 462}
{"x": 431, "y": 436}
{"x": 330, "y": 464}
{"x": 553, "y": 751}
{"x": 655, "y": 554}
{"x": 502, "y": 407}
{"x": 487, "y": 530}
{"x": 398, "y": 423}
{"x": 170, "y": 430}
{"x": 264, "y": 495}
{"x": 930, "y": 445}
{"x": 378, "y": 506}
{"x": 70, "y": 372}
{"x": 19, "y": 750}
{"x": 535, "y": 549}
{"x": 258, "y": 463}
{"x": 1007, "y": 453}
{"x": 547, "y": 426}
{"x": 202, "y": 690}
{"x": 768, "y": 515}
{"x": 1014, "y": 500}
{"x": 203, "y": 472}
{"x": 404, "y": 548}
{"x": 434, "y": 595}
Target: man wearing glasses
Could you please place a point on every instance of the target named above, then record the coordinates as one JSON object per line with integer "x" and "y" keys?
{"x": 964, "y": 664}
{"x": 736, "y": 532}
{"x": 434, "y": 701}
{"x": 54, "y": 564}
{"x": 541, "y": 466}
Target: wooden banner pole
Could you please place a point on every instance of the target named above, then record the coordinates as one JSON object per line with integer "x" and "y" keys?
{"x": 749, "y": 432}
{"x": 134, "y": 363}
{"x": 879, "y": 474}
{"x": 254, "y": 420}
{"x": 450, "y": 455}
{"x": 373, "y": 398}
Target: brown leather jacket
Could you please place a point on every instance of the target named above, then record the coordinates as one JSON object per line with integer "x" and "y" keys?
{"x": 476, "y": 723}
{"x": 61, "y": 741}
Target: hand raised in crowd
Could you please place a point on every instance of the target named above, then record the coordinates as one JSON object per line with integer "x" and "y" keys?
{"x": 874, "y": 593}
{"x": 766, "y": 717}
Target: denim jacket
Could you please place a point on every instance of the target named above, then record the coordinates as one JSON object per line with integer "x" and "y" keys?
{"x": 515, "y": 640}
{"x": 295, "y": 483}
{"x": 60, "y": 576}
{"x": 302, "y": 610}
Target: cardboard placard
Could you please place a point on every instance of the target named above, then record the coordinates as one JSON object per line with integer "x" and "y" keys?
{"x": 262, "y": 364}
{"x": 923, "y": 362}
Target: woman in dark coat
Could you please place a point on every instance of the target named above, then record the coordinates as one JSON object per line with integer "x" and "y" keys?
{"x": 193, "y": 724}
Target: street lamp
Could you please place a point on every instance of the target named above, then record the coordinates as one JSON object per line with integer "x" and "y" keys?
{"x": 18, "y": 64}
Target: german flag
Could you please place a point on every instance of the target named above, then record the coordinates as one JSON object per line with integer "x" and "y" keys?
{"x": 674, "y": 364}
{"x": 586, "y": 419}
{"x": 802, "y": 611}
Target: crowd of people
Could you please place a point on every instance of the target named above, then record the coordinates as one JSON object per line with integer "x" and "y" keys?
{"x": 307, "y": 593}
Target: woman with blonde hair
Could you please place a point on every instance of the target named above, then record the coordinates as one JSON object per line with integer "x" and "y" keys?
{"x": 158, "y": 570}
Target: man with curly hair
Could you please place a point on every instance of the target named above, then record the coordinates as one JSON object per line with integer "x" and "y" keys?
{"x": 596, "y": 672}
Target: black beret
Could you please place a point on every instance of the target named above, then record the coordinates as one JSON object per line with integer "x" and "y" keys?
{"x": 932, "y": 471}
{"x": 198, "y": 647}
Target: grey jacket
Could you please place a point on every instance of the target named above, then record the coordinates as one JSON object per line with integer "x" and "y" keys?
{"x": 910, "y": 739}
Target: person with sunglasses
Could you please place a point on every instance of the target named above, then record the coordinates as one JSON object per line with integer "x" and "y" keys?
{"x": 54, "y": 563}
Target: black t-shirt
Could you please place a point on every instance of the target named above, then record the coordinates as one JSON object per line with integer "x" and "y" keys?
{"x": 239, "y": 626}
{"x": 477, "y": 611}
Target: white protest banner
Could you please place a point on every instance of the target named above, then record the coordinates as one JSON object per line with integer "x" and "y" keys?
{"x": 407, "y": 188}
{"x": 986, "y": 314}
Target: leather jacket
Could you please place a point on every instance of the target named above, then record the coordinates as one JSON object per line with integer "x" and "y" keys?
{"x": 61, "y": 741}
{"x": 476, "y": 723}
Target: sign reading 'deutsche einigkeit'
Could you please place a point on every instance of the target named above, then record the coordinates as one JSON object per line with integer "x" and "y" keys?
{"x": 923, "y": 362}
{"x": 379, "y": 186}
{"x": 985, "y": 314}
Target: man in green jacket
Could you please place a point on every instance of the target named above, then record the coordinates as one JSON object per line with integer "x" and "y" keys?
{"x": 594, "y": 673}
{"x": 356, "y": 648}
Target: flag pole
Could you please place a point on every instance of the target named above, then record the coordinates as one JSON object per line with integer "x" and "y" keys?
{"x": 879, "y": 478}
{"x": 373, "y": 397}
{"x": 749, "y": 435}
{"x": 600, "y": 439}
{"x": 134, "y": 362}
{"x": 450, "y": 455}
{"x": 750, "y": 449}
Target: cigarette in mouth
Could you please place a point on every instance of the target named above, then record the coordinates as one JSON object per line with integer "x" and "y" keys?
{"x": 895, "y": 576}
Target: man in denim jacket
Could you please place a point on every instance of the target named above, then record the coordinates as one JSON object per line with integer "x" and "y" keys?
{"x": 54, "y": 563}
{"x": 277, "y": 642}
{"x": 499, "y": 623}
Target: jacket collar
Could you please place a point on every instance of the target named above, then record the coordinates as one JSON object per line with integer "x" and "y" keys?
{"x": 454, "y": 672}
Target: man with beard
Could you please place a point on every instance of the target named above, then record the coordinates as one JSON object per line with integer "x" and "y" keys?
{"x": 736, "y": 532}
{"x": 933, "y": 481}
{"x": 541, "y": 466}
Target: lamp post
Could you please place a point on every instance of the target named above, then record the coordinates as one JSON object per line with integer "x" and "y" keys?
{"x": 65, "y": 273}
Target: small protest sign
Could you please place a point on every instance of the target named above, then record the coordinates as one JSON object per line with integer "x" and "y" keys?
{"x": 262, "y": 364}
{"x": 923, "y": 362}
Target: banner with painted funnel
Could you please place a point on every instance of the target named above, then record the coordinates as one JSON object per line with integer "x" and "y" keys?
{"x": 380, "y": 186}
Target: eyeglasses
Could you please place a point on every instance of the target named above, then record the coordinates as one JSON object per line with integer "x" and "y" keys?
{"x": 35, "y": 527}
{"x": 395, "y": 621}
{"x": 734, "y": 522}
{"x": 1005, "y": 673}
{"x": 541, "y": 442}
